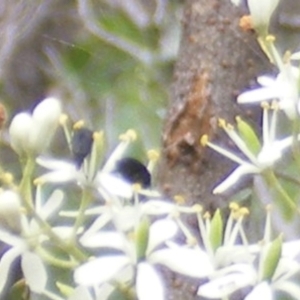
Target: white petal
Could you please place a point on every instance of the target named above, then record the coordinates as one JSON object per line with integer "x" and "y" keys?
{"x": 10, "y": 211}
{"x": 34, "y": 272}
{"x": 261, "y": 291}
{"x": 55, "y": 164}
{"x": 80, "y": 293}
{"x": 19, "y": 132}
{"x": 100, "y": 270}
{"x": 266, "y": 81}
{"x": 114, "y": 185}
{"x": 10, "y": 239}
{"x": 258, "y": 95}
{"x": 45, "y": 117}
{"x": 148, "y": 284}
{"x": 291, "y": 249}
{"x": 98, "y": 224}
{"x": 234, "y": 177}
{"x": 59, "y": 176}
{"x": 124, "y": 217}
{"x": 64, "y": 232}
{"x": 191, "y": 262}
{"x": 261, "y": 11}
{"x": 108, "y": 239}
{"x": 52, "y": 205}
{"x": 161, "y": 231}
{"x": 157, "y": 207}
{"x": 6, "y": 263}
{"x": 47, "y": 111}
{"x": 222, "y": 287}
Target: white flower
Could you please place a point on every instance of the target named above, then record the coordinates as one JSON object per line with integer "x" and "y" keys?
{"x": 267, "y": 267}
{"x": 63, "y": 171}
{"x": 284, "y": 88}
{"x": 148, "y": 282}
{"x": 24, "y": 240}
{"x": 32, "y": 133}
{"x": 228, "y": 281}
{"x": 269, "y": 153}
{"x": 261, "y": 12}
{"x": 88, "y": 174}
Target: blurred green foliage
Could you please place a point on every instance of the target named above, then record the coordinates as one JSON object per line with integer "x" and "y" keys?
{"x": 109, "y": 61}
{"x": 120, "y": 91}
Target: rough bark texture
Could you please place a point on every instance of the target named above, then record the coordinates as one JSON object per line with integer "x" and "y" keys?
{"x": 216, "y": 61}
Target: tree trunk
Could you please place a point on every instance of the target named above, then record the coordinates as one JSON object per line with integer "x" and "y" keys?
{"x": 216, "y": 61}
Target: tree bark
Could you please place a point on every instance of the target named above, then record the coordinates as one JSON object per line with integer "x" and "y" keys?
{"x": 216, "y": 61}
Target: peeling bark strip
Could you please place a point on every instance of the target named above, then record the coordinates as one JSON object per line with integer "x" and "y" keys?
{"x": 216, "y": 61}
{"x": 186, "y": 125}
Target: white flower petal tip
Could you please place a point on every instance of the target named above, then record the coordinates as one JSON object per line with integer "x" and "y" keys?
{"x": 235, "y": 177}
{"x": 261, "y": 12}
{"x": 48, "y": 110}
{"x": 100, "y": 270}
{"x": 284, "y": 88}
{"x": 190, "y": 262}
{"x": 221, "y": 288}
{"x": 10, "y": 210}
{"x": 261, "y": 291}
{"x": 6, "y": 263}
{"x": 115, "y": 186}
{"x": 148, "y": 284}
{"x": 34, "y": 272}
{"x": 161, "y": 231}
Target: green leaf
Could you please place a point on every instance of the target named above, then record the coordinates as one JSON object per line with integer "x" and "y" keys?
{"x": 216, "y": 231}
{"x": 271, "y": 258}
{"x": 248, "y": 135}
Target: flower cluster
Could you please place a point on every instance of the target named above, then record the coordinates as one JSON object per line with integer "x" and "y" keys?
{"x": 279, "y": 98}
{"x": 92, "y": 226}
{"x": 109, "y": 238}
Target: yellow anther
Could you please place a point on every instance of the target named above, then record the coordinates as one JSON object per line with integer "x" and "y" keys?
{"x": 238, "y": 119}
{"x": 153, "y": 155}
{"x": 98, "y": 135}
{"x": 63, "y": 119}
{"x": 136, "y": 187}
{"x": 179, "y": 199}
{"x": 222, "y": 123}
{"x": 207, "y": 215}
{"x": 78, "y": 125}
{"x": 265, "y": 105}
{"x": 38, "y": 181}
{"x": 275, "y": 105}
{"x": 197, "y": 208}
{"x": 270, "y": 38}
{"x": 244, "y": 211}
{"x": 204, "y": 140}
{"x": 129, "y": 136}
{"x": 7, "y": 178}
{"x": 233, "y": 206}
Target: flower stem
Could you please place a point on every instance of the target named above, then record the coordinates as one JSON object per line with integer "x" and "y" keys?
{"x": 284, "y": 201}
{"x": 85, "y": 201}
{"x": 54, "y": 261}
{"x": 26, "y": 182}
